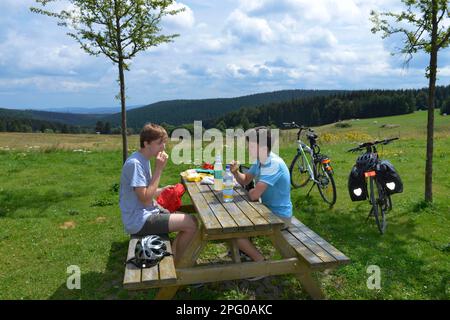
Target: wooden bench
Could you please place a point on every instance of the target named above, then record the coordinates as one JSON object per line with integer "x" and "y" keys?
{"x": 317, "y": 253}
{"x": 160, "y": 275}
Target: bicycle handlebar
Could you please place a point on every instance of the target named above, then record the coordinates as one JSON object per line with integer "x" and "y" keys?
{"x": 296, "y": 126}
{"x": 369, "y": 144}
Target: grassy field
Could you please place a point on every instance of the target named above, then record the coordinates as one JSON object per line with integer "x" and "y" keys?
{"x": 59, "y": 207}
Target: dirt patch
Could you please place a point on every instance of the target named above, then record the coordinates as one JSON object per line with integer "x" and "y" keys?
{"x": 68, "y": 225}
{"x": 100, "y": 219}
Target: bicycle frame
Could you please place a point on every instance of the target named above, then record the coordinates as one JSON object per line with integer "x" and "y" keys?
{"x": 302, "y": 147}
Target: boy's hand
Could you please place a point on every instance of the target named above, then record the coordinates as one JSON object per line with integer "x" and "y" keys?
{"x": 161, "y": 160}
{"x": 234, "y": 166}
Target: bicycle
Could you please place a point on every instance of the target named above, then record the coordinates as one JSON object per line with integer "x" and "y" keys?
{"x": 310, "y": 165}
{"x": 369, "y": 167}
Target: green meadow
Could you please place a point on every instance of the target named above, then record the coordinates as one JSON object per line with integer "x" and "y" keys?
{"x": 59, "y": 207}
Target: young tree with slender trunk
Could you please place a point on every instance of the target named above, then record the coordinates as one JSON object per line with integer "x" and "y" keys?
{"x": 425, "y": 27}
{"x": 117, "y": 29}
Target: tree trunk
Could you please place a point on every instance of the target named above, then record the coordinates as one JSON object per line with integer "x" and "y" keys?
{"x": 124, "y": 113}
{"x": 431, "y": 99}
{"x": 122, "y": 83}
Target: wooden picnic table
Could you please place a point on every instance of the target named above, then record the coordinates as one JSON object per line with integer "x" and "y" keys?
{"x": 302, "y": 250}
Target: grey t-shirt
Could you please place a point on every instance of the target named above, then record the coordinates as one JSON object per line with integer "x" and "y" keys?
{"x": 136, "y": 172}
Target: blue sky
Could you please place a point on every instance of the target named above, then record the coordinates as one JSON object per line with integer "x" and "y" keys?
{"x": 226, "y": 48}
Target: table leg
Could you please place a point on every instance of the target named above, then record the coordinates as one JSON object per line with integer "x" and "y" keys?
{"x": 304, "y": 273}
{"x": 188, "y": 260}
{"x": 310, "y": 285}
{"x": 235, "y": 256}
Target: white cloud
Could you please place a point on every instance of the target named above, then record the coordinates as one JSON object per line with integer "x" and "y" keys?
{"x": 228, "y": 48}
{"x": 182, "y": 20}
{"x": 248, "y": 29}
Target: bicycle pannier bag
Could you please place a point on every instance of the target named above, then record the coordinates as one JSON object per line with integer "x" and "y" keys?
{"x": 389, "y": 177}
{"x": 357, "y": 186}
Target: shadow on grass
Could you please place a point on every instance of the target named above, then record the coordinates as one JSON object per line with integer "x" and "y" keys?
{"x": 108, "y": 285}
{"x": 12, "y": 201}
{"x": 104, "y": 285}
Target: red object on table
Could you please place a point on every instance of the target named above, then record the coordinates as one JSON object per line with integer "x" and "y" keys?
{"x": 207, "y": 165}
{"x": 170, "y": 198}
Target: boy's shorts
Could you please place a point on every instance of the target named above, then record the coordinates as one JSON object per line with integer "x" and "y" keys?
{"x": 157, "y": 223}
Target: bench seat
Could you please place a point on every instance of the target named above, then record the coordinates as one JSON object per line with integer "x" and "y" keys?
{"x": 160, "y": 275}
{"x": 317, "y": 253}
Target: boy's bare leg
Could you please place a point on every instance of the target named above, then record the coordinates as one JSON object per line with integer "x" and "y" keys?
{"x": 248, "y": 247}
{"x": 186, "y": 225}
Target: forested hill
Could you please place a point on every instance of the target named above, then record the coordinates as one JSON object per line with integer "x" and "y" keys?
{"x": 74, "y": 119}
{"x": 177, "y": 112}
{"x": 333, "y": 108}
{"x": 309, "y": 107}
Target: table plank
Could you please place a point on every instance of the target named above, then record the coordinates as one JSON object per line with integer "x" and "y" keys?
{"x": 259, "y": 222}
{"x": 207, "y": 217}
{"x": 261, "y": 209}
{"x": 238, "y": 216}
{"x": 227, "y": 222}
{"x": 132, "y": 273}
{"x": 167, "y": 272}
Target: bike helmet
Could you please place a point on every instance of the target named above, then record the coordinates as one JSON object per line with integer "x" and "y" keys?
{"x": 367, "y": 161}
{"x": 149, "y": 251}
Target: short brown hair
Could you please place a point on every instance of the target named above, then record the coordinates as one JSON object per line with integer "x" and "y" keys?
{"x": 151, "y": 132}
{"x": 260, "y": 134}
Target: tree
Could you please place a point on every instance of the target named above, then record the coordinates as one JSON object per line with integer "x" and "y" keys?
{"x": 445, "y": 108}
{"x": 64, "y": 129}
{"x": 99, "y": 126}
{"x": 117, "y": 29}
{"x": 428, "y": 32}
{"x": 422, "y": 100}
{"x": 106, "y": 128}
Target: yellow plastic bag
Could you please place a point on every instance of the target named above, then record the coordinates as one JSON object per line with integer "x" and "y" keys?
{"x": 192, "y": 176}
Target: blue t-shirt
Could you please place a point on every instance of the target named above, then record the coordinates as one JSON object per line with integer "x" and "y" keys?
{"x": 136, "y": 172}
{"x": 277, "y": 196}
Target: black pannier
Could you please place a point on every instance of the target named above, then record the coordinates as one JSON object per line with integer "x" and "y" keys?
{"x": 357, "y": 185}
{"x": 389, "y": 177}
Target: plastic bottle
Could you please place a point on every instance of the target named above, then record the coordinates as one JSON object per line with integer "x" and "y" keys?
{"x": 218, "y": 174}
{"x": 228, "y": 185}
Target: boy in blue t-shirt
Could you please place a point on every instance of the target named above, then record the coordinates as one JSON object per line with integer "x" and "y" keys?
{"x": 272, "y": 183}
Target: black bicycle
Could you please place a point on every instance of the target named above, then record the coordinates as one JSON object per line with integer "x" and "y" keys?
{"x": 310, "y": 165}
{"x": 381, "y": 175}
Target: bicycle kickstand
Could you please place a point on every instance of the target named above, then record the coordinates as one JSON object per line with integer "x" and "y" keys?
{"x": 370, "y": 214}
{"x": 310, "y": 189}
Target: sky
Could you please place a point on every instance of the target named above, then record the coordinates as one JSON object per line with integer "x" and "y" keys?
{"x": 226, "y": 48}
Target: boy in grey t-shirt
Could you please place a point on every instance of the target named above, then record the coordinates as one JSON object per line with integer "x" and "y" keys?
{"x": 139, "y": 187}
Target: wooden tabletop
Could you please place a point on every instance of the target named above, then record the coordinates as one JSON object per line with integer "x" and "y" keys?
{"x": 240, "y": 216}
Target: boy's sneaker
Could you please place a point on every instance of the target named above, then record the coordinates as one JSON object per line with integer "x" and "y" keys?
{"x": 256, "y": 278}
{"x": 242, "y": 255}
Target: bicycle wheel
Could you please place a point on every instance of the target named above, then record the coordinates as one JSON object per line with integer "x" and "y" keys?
{"x": 326, "y": 185}
{"x": 299, "y": 172}
{"x": 379, "y": 205}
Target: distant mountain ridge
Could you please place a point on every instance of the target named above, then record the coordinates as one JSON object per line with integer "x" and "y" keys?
{"x": 174, "y": 112}
{"x": 73, "y": 119}
{"x": 177, "y": 112}
{"x": 81, "y": 110}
